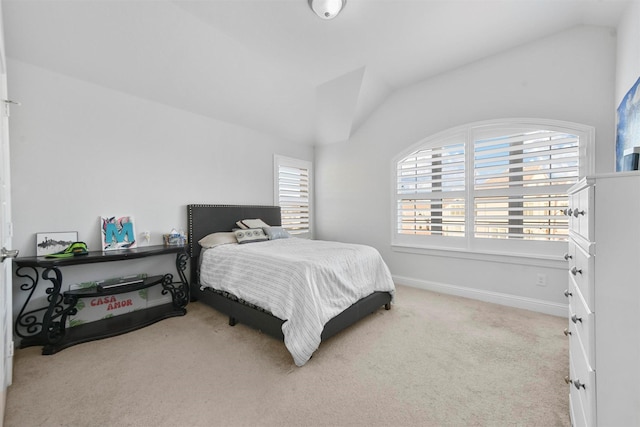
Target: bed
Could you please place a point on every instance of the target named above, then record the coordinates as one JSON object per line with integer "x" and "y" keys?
{"x": 243, "y": 306}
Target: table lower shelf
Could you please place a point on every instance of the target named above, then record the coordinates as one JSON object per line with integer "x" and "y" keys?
{"x": 113, "y": 326}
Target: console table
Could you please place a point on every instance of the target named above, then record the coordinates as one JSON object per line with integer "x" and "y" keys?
{"x": 47, "y": 325}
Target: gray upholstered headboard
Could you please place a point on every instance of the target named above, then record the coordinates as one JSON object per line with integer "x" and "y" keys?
{"x": 207, "y": 219}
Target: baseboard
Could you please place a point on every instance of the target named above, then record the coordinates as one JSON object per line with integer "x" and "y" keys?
{"x": 540, "y": 306}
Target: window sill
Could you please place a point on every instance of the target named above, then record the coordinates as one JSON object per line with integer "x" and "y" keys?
{"x": 538, "y": 260}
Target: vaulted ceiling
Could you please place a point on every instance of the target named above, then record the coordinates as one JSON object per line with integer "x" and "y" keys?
{"x": 272, "y": 65}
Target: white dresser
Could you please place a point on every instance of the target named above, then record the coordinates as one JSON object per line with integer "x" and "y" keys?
{"x": 604, "y": 300}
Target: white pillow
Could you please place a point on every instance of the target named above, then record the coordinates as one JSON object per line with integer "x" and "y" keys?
{"x": 216, "y": 239}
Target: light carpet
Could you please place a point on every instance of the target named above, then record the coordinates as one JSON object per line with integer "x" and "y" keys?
{"x": 432, "y": 360}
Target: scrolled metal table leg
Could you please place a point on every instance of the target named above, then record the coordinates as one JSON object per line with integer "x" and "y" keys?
{"x": 54, "y": 329}
{"x": 28, "y": 325}
{"x": 179, "y": 296}
{"x": 182, "y": 259}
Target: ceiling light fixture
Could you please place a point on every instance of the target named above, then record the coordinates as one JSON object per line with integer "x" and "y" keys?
{"x": 327, "y": 9}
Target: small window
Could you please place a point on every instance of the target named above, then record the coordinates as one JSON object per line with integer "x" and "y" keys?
{"x": 490, "y": 186}
{"x": 293, "y": 194}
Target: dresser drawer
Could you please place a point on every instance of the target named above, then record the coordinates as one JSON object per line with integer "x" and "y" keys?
{"x": 581, "y": 272}
{"x": 578, "y": 418}
{"x": 582, "y": 385}
{"x": 580, "y": 209}
{"x": 582, "y": 328}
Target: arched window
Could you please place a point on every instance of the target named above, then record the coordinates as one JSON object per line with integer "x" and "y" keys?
{"x": 491, "y": 186}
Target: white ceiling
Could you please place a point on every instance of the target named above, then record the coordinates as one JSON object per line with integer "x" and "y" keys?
{"x": 272, "y": 65}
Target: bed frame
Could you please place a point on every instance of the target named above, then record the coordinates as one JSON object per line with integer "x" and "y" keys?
{"x": 206, "y": 219}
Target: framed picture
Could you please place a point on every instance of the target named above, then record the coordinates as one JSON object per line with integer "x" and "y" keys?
{"x": 628, "y": 127}
{"x": 56, "y": 241}
{"x": 117, "y": 232}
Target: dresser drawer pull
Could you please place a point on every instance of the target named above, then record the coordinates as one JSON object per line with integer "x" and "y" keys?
{"x": 567, "y": 257}
{"x": 575, "y": 271}
{"x": 576, "y": 319}
{"x": 577, "y": 384}
{"x": 567, "y": 293}
{"x": 568, "y": 212}
{"x": 566, "y": 332}
{"x": 576, "y": 212}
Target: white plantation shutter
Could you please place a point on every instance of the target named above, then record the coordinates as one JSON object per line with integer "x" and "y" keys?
{"x": 293, "y": 194}
{"x": 490, "y": 186}
{"x": 431, "y": 191}
{"x": 520, "y": 184}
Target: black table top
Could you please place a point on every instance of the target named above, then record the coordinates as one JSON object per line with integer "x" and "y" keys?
{"x": 99, "y": 256}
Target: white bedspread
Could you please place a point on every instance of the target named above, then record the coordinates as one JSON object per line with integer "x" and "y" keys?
{"x": 303, "y": 282}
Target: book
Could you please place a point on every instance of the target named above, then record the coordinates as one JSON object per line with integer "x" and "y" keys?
{"x": 104, "y": 285}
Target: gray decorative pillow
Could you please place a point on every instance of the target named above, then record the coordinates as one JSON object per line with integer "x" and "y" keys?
{"x": 250, "y": 235}
{"x": 276, "y": 232}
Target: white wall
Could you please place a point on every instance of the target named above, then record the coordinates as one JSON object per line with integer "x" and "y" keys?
{"x": 569, "y": 76}
{"x": 79, "y": 151}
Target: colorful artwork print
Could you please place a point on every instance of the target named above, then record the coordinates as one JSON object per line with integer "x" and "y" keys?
{"x": 117, "y": 232}
{"x": 628, "y": 126}
{"x": 50, "y": 243}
